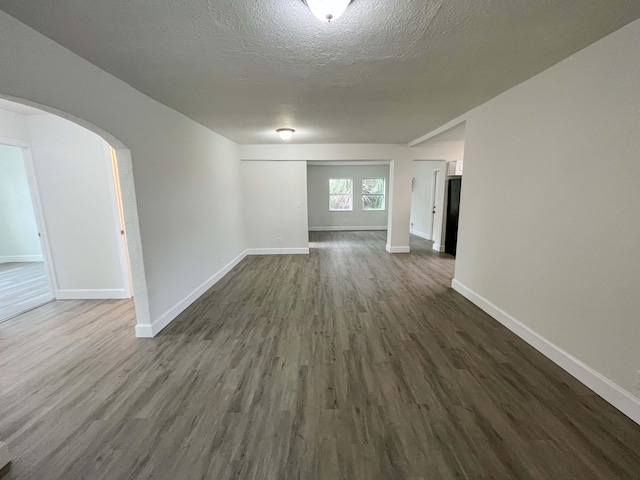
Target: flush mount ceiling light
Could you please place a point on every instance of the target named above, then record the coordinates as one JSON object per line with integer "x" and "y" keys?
{"x": 327, "y": 10}
{"x": 285, "y": 133}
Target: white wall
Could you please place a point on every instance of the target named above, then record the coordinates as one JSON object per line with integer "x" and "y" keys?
{"x": 72, "y": 172}
{"x": 450, "y": 150}
{"x": 13, "y": 127}
{"x": 275, "y": 207}
{"x": 320, "y": 218}
{"x": 549, "y": 231}
{"x": 422, "y": 196}
{"x": 187, "y": 178}
{"x": 19, "y": 240}
{"x": 400, "y": 174}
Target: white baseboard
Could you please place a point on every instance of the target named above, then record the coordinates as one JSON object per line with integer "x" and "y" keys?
{"x": 617, "y": 396}
{"x": 146, "y": 330}
{"x": 91, "y": 294}
{"x": 420, "y": 234}
{"x": 278, "y": 251}
{"x": 438, "y": 248}
{"x": 344, "y": 229}
{"x": 391, "y": 249}
{"x": 21, "y": 258}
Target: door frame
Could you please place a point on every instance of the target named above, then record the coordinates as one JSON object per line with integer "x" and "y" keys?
{"x": 36, "y": 202}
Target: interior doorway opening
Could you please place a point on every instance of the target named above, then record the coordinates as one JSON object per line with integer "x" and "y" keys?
{"x": 81, "y": 188}
{"x": 436, "y": 188}
{"x": 427, "y": 201}
{"x": 24, "y": 282}
{"x": 347, "y": 196}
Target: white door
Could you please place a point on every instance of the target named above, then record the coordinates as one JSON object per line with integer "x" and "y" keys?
{"x": 118, "y": 213}
{"x": 434, "y": 186}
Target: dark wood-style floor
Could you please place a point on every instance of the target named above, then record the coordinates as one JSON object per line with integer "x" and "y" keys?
{"x": 23, "y": 285}
{"x": 349, "y": 363}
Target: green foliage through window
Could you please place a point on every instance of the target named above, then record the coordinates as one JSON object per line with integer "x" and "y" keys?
{"x": 340, "y": 194}
{"x": 373, "y": 190}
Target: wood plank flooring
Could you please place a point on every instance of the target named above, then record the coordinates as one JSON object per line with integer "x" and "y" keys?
{"x": 348, "y": 363}
{"x": 23, "y": 285}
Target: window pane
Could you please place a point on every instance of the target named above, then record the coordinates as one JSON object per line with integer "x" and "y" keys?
{"x": 340, "y": 202}
{"x": 339, "y": 186}
{"x": 372, "y": 202}
{"x": 373, "y": 185}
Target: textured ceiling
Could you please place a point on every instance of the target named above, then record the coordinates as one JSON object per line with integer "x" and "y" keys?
{"x": 388, "y": 71}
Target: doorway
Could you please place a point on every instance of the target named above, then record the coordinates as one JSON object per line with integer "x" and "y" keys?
{"x": 71, "y": 213}
{"x": 24, "y": 281}
{"x": 427, "y": 200}
{"x": 453, "y": 209}
{"x": 348, "y": 196}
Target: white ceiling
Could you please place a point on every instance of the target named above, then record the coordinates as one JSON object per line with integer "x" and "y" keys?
{"x": 388, "y": 71}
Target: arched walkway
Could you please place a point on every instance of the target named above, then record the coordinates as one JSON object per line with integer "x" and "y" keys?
{"x": 128, "y": 199}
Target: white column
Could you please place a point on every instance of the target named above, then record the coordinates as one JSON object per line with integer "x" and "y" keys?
{"x": 400, "y": 176}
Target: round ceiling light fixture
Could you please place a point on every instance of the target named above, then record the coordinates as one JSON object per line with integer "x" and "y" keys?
{"x": 285, "y": 133}
{"x": 327, "y": 10}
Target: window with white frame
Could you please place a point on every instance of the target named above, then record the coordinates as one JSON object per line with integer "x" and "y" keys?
{"x": 373, "y": 190}
{"x": 340, "y": 194}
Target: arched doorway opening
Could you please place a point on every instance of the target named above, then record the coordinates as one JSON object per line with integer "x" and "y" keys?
{"x": 68, "y": 237}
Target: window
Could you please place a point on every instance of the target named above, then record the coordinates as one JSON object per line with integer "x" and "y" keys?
{"x": 340, "y": 194}
{"x": 373, "y": 193}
